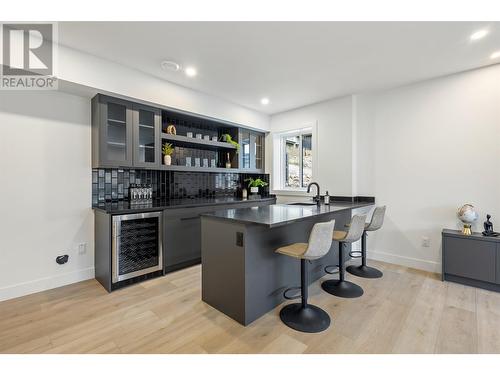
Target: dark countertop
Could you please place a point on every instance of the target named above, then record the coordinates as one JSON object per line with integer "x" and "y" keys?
{"x": 126, "y": 207}
{"x": 281, "y": 214}
{"x": 474, "y": 235}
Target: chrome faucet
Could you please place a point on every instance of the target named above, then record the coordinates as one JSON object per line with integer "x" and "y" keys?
{"x": 317, "y": 198}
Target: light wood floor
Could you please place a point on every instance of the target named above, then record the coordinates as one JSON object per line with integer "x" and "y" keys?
{"x": 407, "y": 311}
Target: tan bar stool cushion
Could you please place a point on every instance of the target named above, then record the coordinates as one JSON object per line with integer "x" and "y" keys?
{"x": 339, "y": 235}
{"x": 295, "y": 250}
{"x": 349, "y": 224}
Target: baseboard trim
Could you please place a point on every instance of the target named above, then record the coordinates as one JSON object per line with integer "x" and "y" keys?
{"x": 46, "y": 283}
{"x": 39, "y": 285}
{"x": 425, "y": 265}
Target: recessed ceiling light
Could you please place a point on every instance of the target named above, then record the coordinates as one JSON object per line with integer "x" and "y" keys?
{"x": 190, "y": 71}
{"x": 479, "y": 34}
{"x": 495, "y": 55}
{"x": 264, "y": 101}
{"x": 170, "y": 65}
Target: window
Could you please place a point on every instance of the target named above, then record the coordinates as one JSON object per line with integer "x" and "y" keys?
{"x": 296, "y": 159}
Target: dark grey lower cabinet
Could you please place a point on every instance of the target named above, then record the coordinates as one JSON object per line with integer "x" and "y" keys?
{"x": 182, "y": 233}
{"x": 181, "y": 246}
{"x": 181, "y": 237}
{"x": 471, "y": 260}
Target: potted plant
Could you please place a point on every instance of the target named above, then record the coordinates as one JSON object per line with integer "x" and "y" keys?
{"x": 228, "y": 139}
{"x": 167, "y": 150}
{"x": 254, "y": 185}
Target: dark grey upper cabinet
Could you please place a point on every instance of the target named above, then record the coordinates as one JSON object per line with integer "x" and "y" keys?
{"x": 251, "y": 150}
{"x": 129, "y": 135}
{"x": 147, "y": 137}
{"x": 112, "y": 132}
{"x": 124, "y": 134}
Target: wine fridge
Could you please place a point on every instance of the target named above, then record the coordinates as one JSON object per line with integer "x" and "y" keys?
{"x": 136, "y": 245}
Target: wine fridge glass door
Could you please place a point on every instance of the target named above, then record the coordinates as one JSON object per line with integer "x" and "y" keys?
{"x": 136, "y": 245}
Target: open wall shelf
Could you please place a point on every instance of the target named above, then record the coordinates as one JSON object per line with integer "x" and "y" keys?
{"x": 198, "y": 143}
{"x": 181, "y": 168}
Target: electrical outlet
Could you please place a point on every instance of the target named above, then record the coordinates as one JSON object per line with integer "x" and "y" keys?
{"x": 426, "y": 242}
{"x": 82, "y": 248}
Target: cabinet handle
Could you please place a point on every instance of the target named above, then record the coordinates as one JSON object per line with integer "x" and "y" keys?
{"x": 190, "y": 218}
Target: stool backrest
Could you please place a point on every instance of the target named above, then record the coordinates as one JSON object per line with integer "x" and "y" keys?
{"x": 377, "y": 219}
{"x": 320, "y": 239}
{"x": 356, "y": 228}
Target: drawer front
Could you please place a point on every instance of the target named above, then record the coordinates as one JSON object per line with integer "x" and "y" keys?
{"x": 470, "y": 258}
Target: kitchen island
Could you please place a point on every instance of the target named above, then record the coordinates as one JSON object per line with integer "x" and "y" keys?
{"x": 242, "y": 276}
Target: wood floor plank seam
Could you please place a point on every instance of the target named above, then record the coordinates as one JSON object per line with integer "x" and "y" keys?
{"x": 407, "y": 311}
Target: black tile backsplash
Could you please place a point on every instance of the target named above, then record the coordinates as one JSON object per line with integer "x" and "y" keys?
{"x": 113, "y": 184}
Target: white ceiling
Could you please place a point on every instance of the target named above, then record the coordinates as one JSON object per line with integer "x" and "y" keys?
{"x": 292, "y": 63}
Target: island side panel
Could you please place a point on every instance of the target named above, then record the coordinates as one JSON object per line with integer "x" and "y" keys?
{"x": 223, "y": 267}
{"x": 268, "y": 274}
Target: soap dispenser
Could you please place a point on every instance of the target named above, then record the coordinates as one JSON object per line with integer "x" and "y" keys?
{"x": 327, "y": 198}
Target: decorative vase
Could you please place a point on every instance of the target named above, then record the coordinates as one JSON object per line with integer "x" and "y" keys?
{"x": 254, "y": 189}
{"x": 167, "y": 159}
{"x": 171, "y": 130}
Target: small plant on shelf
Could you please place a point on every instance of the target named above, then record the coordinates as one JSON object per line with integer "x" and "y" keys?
{"x": 167, "y": 151}
{"x": 228, "y": 139}
{"x": 255, "y": 184}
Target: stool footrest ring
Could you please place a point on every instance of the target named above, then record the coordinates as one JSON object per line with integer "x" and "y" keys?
{"x": 356, "y": 254}
{"x": 291, "y": 289}
{"x": 328, "y": 271}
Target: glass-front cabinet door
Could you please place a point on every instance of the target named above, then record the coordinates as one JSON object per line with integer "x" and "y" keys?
{"x": 245, "y": 149}
{"x": 116, "y": 133}
{"x": 258, "y": 151}
{"x": 146, "y": 136}
{"x": 251, "y": 150}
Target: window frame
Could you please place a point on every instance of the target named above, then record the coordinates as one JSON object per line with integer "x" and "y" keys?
{"x": 279, "y": 159}
{"x": 284, "y": 179}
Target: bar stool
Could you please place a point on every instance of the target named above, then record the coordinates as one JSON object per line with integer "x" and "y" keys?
{"x": 363, "y": 270}
{"x": 303, "y": 316}
{"x": 342, "y": 287}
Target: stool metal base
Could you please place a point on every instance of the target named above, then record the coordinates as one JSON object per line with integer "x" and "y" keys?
{"x": 342, "y": 288}
{"x": 365, "y": 271}
{"x": 308, "y": 319}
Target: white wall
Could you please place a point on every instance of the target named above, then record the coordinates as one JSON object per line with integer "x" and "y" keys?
{"x": 424, "y": 150}
{"x": 45, "y": 158}
{"x": 45, "y": 198}
{"x": 110, "y": 77}
{"x": 333, "y": 142}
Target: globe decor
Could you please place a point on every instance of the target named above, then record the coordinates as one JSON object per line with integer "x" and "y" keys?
{"x": 467, "y": 215}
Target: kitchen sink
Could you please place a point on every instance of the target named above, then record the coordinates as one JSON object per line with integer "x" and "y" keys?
{"x": 301, "y": 204}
